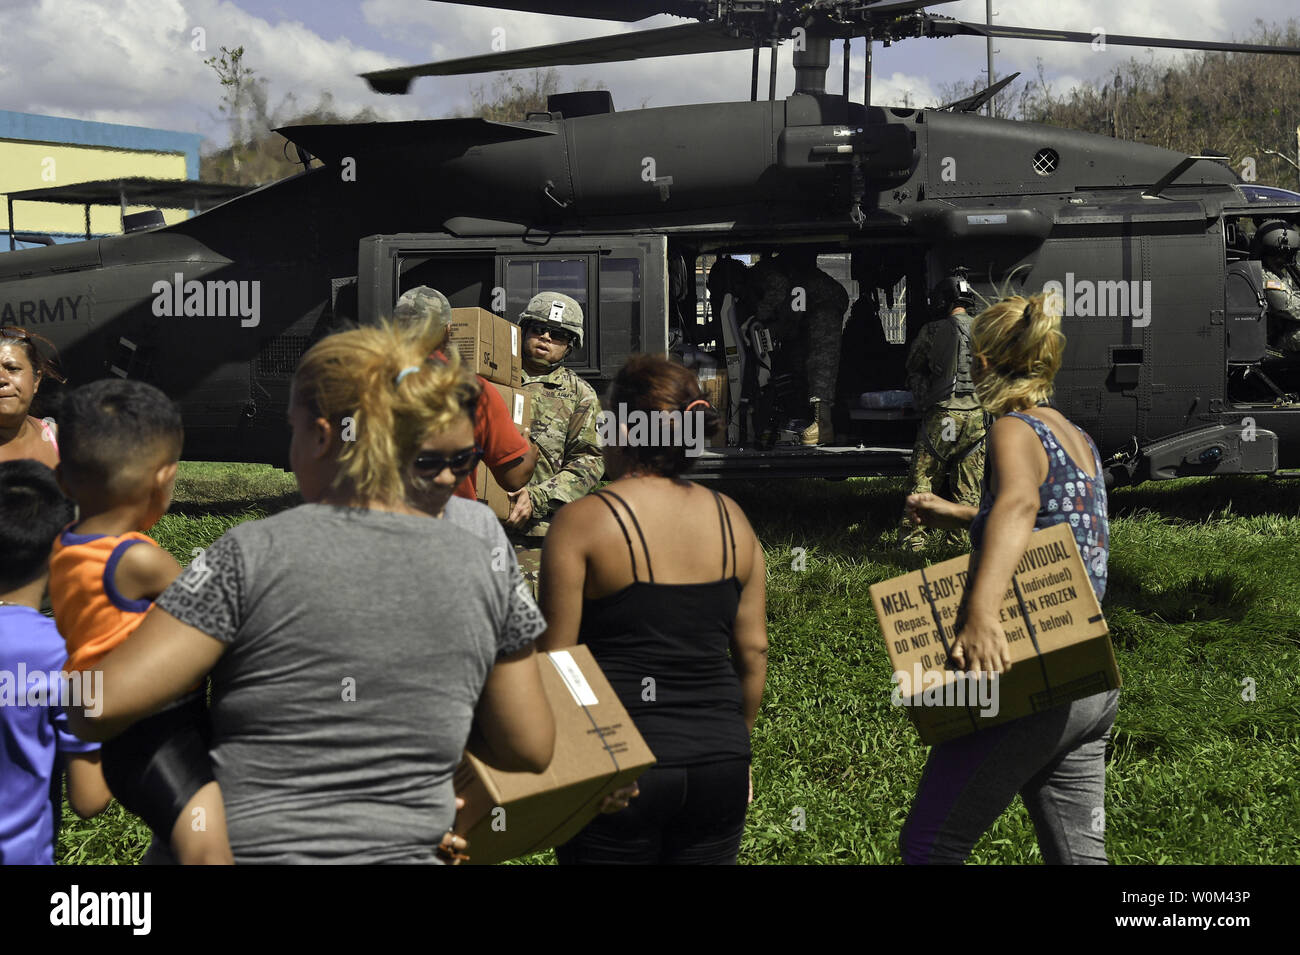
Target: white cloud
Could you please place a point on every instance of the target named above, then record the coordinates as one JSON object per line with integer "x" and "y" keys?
{"x": 134, "y": 63}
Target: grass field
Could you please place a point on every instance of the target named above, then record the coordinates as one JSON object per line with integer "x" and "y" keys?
{"x": 1203, "y": 602}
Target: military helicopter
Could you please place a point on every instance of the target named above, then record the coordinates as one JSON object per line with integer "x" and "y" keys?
{"x": 1167, "y": 364}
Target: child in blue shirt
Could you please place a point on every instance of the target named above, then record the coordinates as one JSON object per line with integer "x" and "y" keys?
{"x": 35, "y": 744}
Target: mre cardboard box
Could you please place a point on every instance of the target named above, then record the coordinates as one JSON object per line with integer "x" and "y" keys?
{"x": 518, "y": 403}
{"x": 484, "y": 342}
{"x": 491, "y": 493}
{"x": 597, "y": 750}
{"x": 713, "y": 382}
{"x": 511, "y": 344}
{"x": 1059, "y": 642}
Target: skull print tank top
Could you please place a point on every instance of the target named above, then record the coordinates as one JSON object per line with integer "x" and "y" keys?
{"x": 1069, "y": 495}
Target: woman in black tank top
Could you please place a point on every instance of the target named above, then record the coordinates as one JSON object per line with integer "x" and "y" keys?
{"x": 629, "y": 571}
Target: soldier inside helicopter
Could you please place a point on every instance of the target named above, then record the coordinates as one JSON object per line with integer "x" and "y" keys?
{"x": 1263, "y": 305}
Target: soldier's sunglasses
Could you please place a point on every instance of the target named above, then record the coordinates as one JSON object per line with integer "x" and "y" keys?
{"x": 10, "y": 331}
{"x": 460, "y": 464}
{"x": 561, "y": 335}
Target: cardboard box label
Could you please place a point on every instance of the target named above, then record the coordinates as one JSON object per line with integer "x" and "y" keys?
{"x": 517, "y": 413}
{"x": 573, "y": 679}
{"x": 1056, "y": 633}
{"x": 597, "y": 750}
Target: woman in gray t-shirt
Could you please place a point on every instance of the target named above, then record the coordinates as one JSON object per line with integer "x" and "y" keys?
{"x": 353, "y": 642}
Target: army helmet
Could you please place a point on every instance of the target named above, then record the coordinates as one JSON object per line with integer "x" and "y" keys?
{"x": 1277, "y": 237}
{"x": 556, "y": 310}
{"x": 951, "y": 291}
{"x": 423, "y": 303}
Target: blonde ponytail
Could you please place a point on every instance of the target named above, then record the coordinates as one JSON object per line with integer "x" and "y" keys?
{"x": 380, "y": 389}
{"x": 1021, "y": 340}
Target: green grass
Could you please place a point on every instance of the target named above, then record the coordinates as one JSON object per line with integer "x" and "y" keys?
{"x": 1204, "y": 594}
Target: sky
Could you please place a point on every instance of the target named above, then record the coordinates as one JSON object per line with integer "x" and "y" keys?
{"x": 141, "y": 61}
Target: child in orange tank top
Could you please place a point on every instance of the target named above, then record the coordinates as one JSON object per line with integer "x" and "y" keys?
{"x": 120, "y": 444}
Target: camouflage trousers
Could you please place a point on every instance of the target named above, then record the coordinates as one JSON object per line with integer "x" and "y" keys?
{"x": 529, "y": 556}
{"x": 822, "y": 365}
{"x": 948, "y": 460}
{"x": 815, "y": 349}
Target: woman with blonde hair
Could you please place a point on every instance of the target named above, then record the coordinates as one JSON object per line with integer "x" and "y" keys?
{"x": 1042, "y": 470}
{"x": 353, "y": 641}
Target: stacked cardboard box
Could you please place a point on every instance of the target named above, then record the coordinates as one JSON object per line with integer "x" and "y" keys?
{"x": 597, "y": 750}
{"x": 489, "y": 491}
{"x": 713, "y": 382}
{"x": 488, "y": 345}
{"x": 1059, "y": 642}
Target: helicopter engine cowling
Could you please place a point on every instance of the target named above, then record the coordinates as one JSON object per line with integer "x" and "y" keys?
{"x": 646, "y": 162}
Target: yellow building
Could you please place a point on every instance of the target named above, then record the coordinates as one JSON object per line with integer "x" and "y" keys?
{"x": 45, "y": 151}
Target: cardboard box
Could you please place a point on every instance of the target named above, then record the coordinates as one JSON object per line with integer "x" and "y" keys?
{"x": 713, "y": 381}
{"x": 486, "y": 344}
{"x": 1060, "y": 645}
{"x": 489, "y": 492}
{"x": 518, "y": 403}
{"x": 512, "y": 344}
{"x": 597, "y": 750}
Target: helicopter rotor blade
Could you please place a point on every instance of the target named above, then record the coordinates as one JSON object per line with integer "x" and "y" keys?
{"x": 626, "y": 11}
{"x": 897, "y": 7}
{"x": 668, "y": 41}
{"x": 961, "y": 28}
{"x": 972, "y": 104}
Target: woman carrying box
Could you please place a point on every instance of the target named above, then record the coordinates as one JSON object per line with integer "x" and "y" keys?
{"x": 353, "y": 641}
{"x": 1042, "y": 470}
{"x": 633, "y": 571}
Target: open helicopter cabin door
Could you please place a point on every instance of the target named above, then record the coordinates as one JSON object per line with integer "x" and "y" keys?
{"x": 621, "y": 283}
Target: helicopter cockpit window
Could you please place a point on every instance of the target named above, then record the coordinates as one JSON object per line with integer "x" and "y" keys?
{"x": 525, "y": 277}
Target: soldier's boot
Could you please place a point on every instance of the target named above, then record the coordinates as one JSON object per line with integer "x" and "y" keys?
{"x": 914, "y": 539}
{"x": 822, "y": 430}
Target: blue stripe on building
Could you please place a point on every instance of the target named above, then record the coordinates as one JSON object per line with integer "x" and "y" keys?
{"x": 82, "y": 132}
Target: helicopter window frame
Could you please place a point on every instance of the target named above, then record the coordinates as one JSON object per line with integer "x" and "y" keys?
{"x": 589, "y": 357}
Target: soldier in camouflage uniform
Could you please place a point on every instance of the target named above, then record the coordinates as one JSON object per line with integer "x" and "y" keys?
{"x": 950, "y": 444}
{"x": 785, "y": 291}
{"x": 570, "y": 462}
{"x": 1277, "y": 242}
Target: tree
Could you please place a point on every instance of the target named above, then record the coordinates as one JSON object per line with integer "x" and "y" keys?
{"x": 240, "y": 94}
{"x": 256, "y": 155}
{"x": 1237, "y": 103}
{"x": 511, "y": 99}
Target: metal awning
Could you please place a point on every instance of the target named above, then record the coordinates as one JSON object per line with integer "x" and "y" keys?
{"x": 131, "y": 191}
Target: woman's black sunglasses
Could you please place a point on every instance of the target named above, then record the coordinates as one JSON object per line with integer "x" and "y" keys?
{"x": 460, "y": 464}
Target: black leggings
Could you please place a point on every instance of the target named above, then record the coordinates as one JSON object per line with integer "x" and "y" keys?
{"x": 157, "y": 765}
{"x": 685, "y": 815}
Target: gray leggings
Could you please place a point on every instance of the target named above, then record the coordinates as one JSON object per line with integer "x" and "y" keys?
{"x": 1056, "y": 760}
